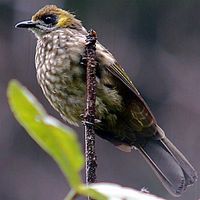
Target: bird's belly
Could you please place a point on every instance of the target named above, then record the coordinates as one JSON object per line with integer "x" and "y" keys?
{"x": 65, "y": 90}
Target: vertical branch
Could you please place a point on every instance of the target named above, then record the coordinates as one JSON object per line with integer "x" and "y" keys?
{"x": 89, "y": 60}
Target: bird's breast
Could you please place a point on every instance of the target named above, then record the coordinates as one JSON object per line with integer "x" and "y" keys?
{"x": 60, "y": 74}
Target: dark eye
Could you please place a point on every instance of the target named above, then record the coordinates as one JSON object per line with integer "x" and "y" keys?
{"x": 49, "y": 19}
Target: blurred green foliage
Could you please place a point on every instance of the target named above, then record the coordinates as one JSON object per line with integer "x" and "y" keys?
{"x": 55, "y": 138}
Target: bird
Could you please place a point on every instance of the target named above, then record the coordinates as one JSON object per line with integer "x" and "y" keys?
{"x": 124, "y": 118}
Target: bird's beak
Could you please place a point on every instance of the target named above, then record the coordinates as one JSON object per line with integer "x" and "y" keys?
{"x": 26, "y": 24}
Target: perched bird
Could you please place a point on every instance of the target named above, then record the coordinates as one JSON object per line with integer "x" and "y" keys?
{"x": 124, "y": 118}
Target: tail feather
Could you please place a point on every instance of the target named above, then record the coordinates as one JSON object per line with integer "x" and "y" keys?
{"x": 189, "y": 171}
{"x": 169, "y": 164}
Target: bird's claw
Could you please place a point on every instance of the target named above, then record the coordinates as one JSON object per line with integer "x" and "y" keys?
{"x": 96, "y": 121}
{"x": 85, "y": 122}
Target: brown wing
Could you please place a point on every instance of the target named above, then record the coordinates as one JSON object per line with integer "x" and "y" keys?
{"x": 138, "y": 107}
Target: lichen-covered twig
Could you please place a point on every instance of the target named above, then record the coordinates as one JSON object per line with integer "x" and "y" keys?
{"x": 89, "y": 61}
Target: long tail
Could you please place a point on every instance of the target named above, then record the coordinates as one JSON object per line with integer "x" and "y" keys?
{"x": 169, "y": 164}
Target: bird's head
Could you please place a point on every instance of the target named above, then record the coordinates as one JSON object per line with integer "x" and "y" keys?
{"x": 48, "y": 19}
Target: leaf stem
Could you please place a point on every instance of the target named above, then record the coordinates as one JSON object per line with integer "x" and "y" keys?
{"x": 71, "y": 195}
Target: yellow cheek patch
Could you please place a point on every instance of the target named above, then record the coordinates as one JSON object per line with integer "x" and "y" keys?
{"x": 64, "y": 20}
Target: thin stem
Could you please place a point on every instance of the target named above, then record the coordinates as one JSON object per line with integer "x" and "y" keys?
{"x": 71, "y": 195}
{"x": 89, "y": 61}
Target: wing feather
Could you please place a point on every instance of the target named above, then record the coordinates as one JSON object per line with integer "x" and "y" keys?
{"x": 108, "y": 61}
{"x": 149, "y": 119}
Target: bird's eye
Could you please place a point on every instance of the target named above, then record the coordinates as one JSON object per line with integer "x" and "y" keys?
{"x": 49, "y": 19}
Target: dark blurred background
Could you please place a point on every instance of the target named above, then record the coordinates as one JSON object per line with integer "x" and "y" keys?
{"x": 158, "y": 44}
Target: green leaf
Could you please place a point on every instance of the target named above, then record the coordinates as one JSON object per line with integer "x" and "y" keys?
{"x": 58, "y": 140}
{"x": 86, "y": 191}
{"x": 110, "y": 191}
{"x": 117, "y": 192}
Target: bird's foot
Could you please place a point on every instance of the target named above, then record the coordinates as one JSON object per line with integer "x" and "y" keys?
{"x": 84, "y": 121}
